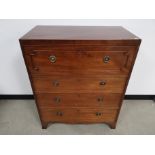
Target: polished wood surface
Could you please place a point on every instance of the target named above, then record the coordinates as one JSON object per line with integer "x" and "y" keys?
{"x": 56, "y": 35}
{"x": 80, "y": 85}
{"x": 58, "y": 100}
{"x": 79, "y": 33}
{"x": 79, "y": 74}
{"x": 92, "y": 61}
{"x": 79, "y": 115}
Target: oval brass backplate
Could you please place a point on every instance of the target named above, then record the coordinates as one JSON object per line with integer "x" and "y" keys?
{"x": 98, "y": 113}
{"x": 55, "y": 83}
{"x": 100, "y": 99}
{"x": 102, "y": 83}
{"x": 106, "y": 59}
{"x": 59, "y": 113}
{"x": 57, "y": 99}
{"x": 52, "y": 58}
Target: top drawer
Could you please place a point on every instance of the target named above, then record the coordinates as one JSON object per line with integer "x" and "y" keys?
{"x": 78, "y": 62}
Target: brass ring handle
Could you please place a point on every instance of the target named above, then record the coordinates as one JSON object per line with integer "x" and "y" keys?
{"x": 106, "y": 59}
{"x": 57, "y": 99}
{"x": 52, "y": 58}
{"x": 98, "y": 113}
{"x": 102, "y": 83}
{"x": 55, "y": 83}
{"x": 59, "y": 113}
{"x": 36, "y": 68}
{"x": 100, "y": 99}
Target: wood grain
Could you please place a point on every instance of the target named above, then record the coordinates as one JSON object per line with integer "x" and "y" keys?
{"x": 75, "y": 115}
{"x": 79, "y": 33}
{"x": 79, "y": 62}
{"x": 79, "y": 87}
{"x": 57, "y": 100}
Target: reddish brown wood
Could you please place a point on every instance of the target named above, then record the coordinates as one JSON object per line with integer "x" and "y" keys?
{"x": 44, "y": 125}
{"x": 58, "y": 100}
{"x": 80, "y": 86}
{"x": 78, "y": 115}
{"x": 112, "y": 125}
{"x": 71, "y": 33}
{"x": 92, "y": 61}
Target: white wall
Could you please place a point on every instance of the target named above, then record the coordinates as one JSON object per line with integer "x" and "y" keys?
{"x": 13, "y": 75}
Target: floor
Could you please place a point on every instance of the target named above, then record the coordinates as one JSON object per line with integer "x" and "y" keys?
{"x": 20, "y": 117}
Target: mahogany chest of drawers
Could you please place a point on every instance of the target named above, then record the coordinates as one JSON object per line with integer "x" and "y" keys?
{"x": 79, "y": 74}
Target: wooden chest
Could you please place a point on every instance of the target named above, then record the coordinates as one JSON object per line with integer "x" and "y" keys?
{"x": 79, "y": 74}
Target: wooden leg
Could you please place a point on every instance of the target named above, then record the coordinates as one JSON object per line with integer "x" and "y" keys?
{"x": 112, "y": 125}
{"x": 44, "y": 125}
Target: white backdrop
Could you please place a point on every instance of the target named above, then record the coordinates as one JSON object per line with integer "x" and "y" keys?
{"x": 13, "y": 75}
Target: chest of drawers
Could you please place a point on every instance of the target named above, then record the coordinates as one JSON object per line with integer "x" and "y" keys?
{"x": 79, "y": 74}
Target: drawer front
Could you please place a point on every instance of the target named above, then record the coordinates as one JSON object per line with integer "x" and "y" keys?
{"x": 76, "y": 115}
{"x": 78, "y": 85}
{"x": 59, "y": 100}
{"x": 48, "y": 62}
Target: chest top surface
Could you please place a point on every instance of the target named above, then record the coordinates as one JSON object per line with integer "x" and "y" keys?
{"x": 79, "y": 33}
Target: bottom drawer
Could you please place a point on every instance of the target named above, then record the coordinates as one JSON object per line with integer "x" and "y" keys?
{"x": 75, "y": 115}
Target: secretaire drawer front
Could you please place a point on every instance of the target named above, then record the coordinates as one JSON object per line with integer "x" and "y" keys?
{"x": 79, "y": 100}
{"x": 75, "y": 115}
{"x": 78, "y": 85}
{"x": 49, "y": 62}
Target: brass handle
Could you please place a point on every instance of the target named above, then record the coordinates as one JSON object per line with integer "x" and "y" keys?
{"x": 57, "y": 99}
{"x": 100, "y": 99}
{"x": 55, "y": 83}
{"x": 106, "y": 59}
{"x": 59, "y": 113}
{"x": 98, "y": 113}
{"x": 102, "y": 83}
{"x": 36, "y": 68}
{"x": 52, "y": 58}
